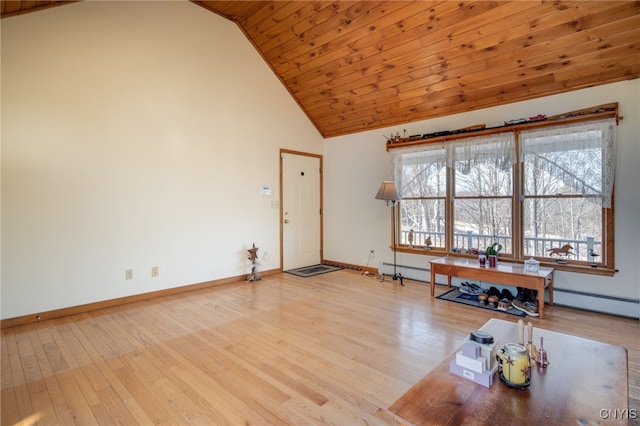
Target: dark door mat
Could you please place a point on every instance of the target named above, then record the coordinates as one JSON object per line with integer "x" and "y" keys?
{"x": 310, "y": 271}
{"x": 466, "y": 299}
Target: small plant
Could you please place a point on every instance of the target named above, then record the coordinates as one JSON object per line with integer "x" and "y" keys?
{"x": 493, "y": 249}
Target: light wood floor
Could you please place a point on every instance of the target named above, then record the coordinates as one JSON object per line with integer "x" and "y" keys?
{"x": 338, "y": 348}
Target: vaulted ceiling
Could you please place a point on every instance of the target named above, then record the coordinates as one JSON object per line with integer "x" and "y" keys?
{"x": 359, "y": 65}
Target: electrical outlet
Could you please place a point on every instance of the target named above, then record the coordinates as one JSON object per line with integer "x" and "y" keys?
{"x": 128, "y": 274}
{"x": 155, "y": 272}
{"x": 373, "y": 253}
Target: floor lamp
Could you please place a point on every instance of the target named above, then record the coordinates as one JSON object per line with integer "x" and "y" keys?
{"x": 387, "y": 192}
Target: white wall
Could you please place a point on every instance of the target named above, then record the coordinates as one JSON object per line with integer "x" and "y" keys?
{"x": 135, "y": 134}
{"x": 355, "y": 165}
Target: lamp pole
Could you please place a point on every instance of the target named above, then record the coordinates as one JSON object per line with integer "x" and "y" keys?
{"x": 388, "y": 192}
{"x": 396, "y": 276}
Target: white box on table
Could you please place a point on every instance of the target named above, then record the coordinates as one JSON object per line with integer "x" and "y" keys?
{"x": 487, "y": 351}
{"x": 485, "y": 378}
{"x": 478, "y": 364}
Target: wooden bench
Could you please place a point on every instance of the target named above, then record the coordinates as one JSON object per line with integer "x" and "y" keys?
{"x": 511, "y": 274}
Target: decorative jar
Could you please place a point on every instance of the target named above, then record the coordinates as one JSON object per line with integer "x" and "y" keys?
{"x": 531, "y": 265}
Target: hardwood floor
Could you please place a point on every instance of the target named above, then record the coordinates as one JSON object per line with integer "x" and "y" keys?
{"x": 338, "y": 348}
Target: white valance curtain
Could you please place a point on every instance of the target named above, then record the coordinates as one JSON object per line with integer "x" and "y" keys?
{"x": 411, "y": 163}
{"x": 576, "y": 143}
{"x": 591, "y": 146}
{"x": 497, "y": 149}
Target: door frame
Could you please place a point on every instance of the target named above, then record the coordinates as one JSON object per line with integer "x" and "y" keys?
{"x": 320, "y": 202}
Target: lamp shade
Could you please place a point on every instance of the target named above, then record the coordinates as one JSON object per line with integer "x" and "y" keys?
{"x": 387, "y": 192}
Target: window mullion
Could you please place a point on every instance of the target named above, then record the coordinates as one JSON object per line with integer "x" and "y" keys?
{"x": 518, "y": 201}
{"x": 449, "y": 208}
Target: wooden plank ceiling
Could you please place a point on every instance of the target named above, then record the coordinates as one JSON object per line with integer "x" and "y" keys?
{"x": 360, "y": 65}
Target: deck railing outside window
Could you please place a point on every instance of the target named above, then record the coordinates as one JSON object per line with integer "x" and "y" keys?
{"x": 538, "y": 247}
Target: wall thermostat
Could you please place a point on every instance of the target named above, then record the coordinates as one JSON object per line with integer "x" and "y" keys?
{"x": 265, "y": 190}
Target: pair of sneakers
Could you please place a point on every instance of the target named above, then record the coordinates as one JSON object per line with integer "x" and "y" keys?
{"x": 526, "y": 301}
{"x": 491, "y": 297}
{"x": 505, "y": 303}
{"x": 471, "y": 288}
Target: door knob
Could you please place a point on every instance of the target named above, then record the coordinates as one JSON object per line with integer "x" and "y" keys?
{"x": 286, "y": 221}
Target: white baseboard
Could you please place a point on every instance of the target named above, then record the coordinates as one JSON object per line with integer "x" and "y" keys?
{"x": 410, "y": 272}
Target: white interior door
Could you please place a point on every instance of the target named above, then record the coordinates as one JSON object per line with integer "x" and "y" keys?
{"x": 301, "y": 210}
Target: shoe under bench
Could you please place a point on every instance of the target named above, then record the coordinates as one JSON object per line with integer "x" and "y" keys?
{"x": 511, "y": 274}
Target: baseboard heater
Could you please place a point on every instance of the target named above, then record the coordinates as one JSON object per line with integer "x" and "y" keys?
{"x": 597, "y": 303}
{"x": 612, "y": 305}
{"x": 410, "y": 272}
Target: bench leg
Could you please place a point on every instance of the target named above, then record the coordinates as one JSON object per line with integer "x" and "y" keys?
{"x": 433, "y": 282}
{"x": 541, "y": 299}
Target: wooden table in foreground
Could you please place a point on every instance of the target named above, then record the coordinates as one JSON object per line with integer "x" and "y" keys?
{"x": 586, "y": 382}
{"x": 512, "y": 274}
